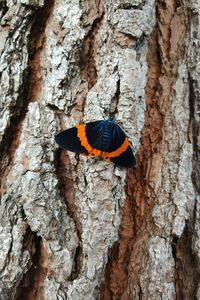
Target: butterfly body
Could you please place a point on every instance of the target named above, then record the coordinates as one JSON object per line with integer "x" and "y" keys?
{"x": 108, "y": 127}
{"x": 100, "y": 138}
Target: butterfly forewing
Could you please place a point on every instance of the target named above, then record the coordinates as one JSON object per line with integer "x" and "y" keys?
{"x": 69, "y": 140}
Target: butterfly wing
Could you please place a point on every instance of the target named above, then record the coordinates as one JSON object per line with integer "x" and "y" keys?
{"x": 94, "y": 132}
{"x": 125, "y": 159}
{"x": 92, "y": 138}
{"x": 120, "y": 151}
{"x": 84, "y": 138}
{"x": 69, "y": 140}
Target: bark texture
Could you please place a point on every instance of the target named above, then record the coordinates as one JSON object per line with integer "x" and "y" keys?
{"x": 73, "y": 227}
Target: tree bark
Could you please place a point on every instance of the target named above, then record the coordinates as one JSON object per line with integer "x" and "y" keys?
{"x": 73, "y": 227}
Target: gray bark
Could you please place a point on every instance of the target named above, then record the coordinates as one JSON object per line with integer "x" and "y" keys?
{"x": 73, "y": 227}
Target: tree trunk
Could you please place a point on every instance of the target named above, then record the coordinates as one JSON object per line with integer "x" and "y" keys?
{"x": 73, "y": 227}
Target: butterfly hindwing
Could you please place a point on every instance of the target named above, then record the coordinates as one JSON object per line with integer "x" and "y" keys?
{"x": 125, "y": 159}
{"x": 120, "y": 151}
{"x": 117, "y": 139}
{"x": 94, "y": 133}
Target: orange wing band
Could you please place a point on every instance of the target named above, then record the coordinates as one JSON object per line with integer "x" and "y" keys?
{"x": 84, "y": 142}
{"x": 116, "y": 153}
{"x": 81, "y": 133}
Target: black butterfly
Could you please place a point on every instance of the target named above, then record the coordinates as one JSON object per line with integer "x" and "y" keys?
{"x": 100, "y": 138}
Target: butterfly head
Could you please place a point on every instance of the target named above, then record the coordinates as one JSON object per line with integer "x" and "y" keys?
{"x": 110, "y": 119}
{"x": 110, "y": 124}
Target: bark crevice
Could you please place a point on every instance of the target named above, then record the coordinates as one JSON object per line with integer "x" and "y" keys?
{"x": 66, "y": 189}
{"x": 130, "y": 6}
{"x": 36, "y": 45}
{"x": 87, "y": 56}
{"x": 11, "y": 137}
{"x": 193, "y": 134}
{"x": 31, "y": 286}
{"x": 28, "y": 91}
{"x": 186, "y": 274}
{"x": 3, "y": 9}
{"x": 115, "y": 100}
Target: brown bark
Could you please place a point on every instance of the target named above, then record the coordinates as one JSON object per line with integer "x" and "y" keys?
{"x": 80, "y": 228}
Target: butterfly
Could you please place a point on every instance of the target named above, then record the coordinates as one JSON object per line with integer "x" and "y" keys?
{"x": 103, "y": 138}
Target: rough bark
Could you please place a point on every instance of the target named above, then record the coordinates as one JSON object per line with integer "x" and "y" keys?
{"x": 73, "y": 227}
